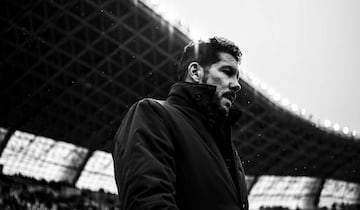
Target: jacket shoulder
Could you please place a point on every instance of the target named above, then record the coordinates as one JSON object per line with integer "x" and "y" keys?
{"x": 149, "y": 103}
{"x": 147, "y": 107}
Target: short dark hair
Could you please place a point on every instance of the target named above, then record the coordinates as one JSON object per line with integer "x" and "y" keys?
{"x": 206, "y": 53}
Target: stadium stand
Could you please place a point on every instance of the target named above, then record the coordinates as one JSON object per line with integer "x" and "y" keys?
{"x": 19, "y": 192}
{"x": 69, "y": 69}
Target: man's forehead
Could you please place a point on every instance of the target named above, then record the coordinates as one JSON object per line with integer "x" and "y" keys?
{"x": 228, "y": 59}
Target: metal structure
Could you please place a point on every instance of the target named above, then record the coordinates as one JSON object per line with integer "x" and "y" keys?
{"x": 69, "y": 69}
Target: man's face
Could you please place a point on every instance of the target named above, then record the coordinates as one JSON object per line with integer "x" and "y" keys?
{"x": 225, "y": 76}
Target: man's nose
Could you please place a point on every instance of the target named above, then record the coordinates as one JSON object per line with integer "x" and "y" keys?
{"x": 235, "y": 85}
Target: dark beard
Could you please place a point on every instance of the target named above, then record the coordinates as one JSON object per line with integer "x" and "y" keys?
{"x": 217, "y": 108}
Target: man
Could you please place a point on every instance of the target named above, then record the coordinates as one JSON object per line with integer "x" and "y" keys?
{"x": 177, "y": 154}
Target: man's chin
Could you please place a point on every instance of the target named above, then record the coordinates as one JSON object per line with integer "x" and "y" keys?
{"x": 225, "y": 110}
{"x": 225, "y": 107}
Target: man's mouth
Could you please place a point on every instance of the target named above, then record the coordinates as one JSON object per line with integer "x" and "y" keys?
{"x": 230, "y": 96}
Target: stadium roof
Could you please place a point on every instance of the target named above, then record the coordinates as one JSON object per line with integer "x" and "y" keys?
{"x": 69, "y": 69}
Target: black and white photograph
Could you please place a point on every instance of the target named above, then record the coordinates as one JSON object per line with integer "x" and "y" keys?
{"x": 180, "y": 105}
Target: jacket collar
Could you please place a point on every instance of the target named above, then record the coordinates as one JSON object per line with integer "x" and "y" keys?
{"x": 200, "y": 97}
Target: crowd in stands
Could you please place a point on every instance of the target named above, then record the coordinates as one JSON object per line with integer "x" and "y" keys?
{"x": 19, "y": 192}
{"x": 335, "y": 206}
{"x": 342, "y": 206}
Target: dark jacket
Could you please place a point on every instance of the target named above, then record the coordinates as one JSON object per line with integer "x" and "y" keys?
{"x": 177, "y": 154}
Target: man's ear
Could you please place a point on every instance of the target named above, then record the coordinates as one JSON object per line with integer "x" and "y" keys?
{"x": 195, "y": 72}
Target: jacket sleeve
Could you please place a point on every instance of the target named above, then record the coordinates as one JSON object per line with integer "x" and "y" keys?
{"x": 144, "y": 159}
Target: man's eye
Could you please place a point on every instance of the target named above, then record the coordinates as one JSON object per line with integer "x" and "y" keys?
{"x": 228, "y": 72}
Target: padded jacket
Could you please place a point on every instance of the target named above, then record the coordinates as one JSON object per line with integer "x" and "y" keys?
{"x": 178, "y": 154}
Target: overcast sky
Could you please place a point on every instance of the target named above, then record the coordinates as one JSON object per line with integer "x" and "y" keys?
{"x": 306, "y": 50}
